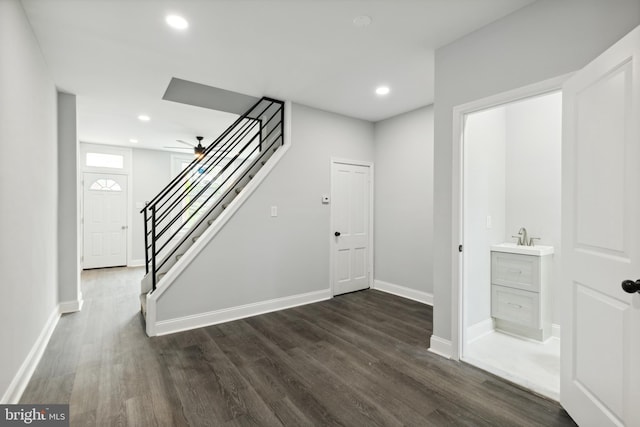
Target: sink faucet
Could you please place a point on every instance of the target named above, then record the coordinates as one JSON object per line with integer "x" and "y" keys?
{"x": 523, "y": 238}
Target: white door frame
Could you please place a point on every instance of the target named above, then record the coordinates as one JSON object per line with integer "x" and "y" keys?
{"x": 127, "y": 170}
{"x": 331, "y": 225}
{"x": 457, "y": 203}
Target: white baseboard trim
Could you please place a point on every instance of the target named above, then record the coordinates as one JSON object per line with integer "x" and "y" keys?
{"x": 164, "y": 327}
{"x": 70, "y": 306}
{"x": 136, "y": 263}
{"x": 402, "y": 291}
{"x": 555, "y": 330}
{"x": 441, "y": 347}
{"x": 479, "y": 330}
{"x": 19, "y": 383}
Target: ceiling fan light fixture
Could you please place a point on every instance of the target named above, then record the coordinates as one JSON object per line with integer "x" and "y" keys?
{"x": 198, "y": 150}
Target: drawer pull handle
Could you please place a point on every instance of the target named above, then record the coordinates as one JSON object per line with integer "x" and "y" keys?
{"x": 514, "y": 270}
{"x": 518, "y": 306}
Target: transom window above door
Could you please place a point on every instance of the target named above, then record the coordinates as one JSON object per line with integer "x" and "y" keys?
{"x": 104, "y": 160}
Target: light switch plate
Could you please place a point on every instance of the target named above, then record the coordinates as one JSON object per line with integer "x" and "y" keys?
{"x": 274, "y": 211}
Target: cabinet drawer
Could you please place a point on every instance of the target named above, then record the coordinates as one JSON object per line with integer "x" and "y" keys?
{"x": 515, "y": 270}
{"x": 515, "y": 305}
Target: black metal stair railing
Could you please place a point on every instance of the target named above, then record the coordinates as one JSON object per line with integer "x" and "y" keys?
{"x": 181, "y": 210}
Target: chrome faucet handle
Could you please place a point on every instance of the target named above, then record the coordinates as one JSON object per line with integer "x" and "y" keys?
{"x": 531, "y": 243}
{"x": 519, "y": 237}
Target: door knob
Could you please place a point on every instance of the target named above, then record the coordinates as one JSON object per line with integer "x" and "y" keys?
{"x": 630, "y": 286}
{"x": 337, "y": 234}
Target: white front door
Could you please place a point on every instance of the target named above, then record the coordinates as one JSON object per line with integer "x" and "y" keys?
{"x": 600, "y": 349}
{"x": 351, "y": 221}
{"x": 105, "y": 220}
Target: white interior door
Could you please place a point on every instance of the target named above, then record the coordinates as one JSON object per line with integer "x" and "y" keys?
{"x": 351, "y": 234}
{"x": 600, "y": 349}
{"x": 105, "y": 220}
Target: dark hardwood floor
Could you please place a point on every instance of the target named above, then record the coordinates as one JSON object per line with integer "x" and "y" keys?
{"x": 357, "y": 360}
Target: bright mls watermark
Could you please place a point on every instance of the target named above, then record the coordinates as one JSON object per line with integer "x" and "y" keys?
{"x": 34, "y": 415}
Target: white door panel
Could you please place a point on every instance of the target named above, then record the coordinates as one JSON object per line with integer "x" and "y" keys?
{"x": 105, "y": 220}
{"x": 351, "y": 216}
{"x": 600, "y": 375}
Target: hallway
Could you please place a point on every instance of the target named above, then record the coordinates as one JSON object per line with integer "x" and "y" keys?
{"x": 358, "y": 359}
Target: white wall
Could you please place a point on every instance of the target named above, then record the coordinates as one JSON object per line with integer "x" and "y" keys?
{"x": 256, "y": 257}
{"x": 404, "y": 200}
{"x": 151, "y": 172}
{"x": 28, "y": 192}
{"x": 485, "y": 143}
{"x": 543, "y": 40}
{"x": 68, "y": 203}
{"x": 534, "y": 141}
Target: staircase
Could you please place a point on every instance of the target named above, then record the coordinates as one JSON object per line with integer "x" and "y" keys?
{"x": 192, "y": 202}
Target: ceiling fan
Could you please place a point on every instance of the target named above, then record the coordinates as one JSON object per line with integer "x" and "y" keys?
{"x": 198, "y": 150}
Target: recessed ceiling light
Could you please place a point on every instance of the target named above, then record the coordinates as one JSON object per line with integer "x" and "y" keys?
{"x": 144, "y": 117}
{"x": 382, "y": 90}
{"x": 177, "y": 22}
{"x": 133, "y": 141}
{"x": 361, "y": 21}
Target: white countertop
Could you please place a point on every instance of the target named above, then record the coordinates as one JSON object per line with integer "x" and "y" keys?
{"x": 538, "y": 250}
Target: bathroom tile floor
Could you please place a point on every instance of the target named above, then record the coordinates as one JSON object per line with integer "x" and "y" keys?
{"x": 531, "y": 364}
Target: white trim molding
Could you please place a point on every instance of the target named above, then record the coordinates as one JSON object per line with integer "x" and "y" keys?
{"x": 164, "y": 327}
{"x": 404, "y": 292}
{"x": 555, "y": 330}
{"x": 440, "y": 346}
{"x": 28, "y": 367}
{"x": 136, "y": 263}
{"x": 459, "y": 114}
{"x": 70, "y": 306}
{"x": 479, "y": 330}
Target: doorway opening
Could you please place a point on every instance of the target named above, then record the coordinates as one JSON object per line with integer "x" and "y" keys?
{"x": 511, "y": 229}
{"x": 105, "y": 206}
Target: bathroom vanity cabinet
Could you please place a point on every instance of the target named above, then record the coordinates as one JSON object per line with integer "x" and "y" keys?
{"x": 520, "y": 295}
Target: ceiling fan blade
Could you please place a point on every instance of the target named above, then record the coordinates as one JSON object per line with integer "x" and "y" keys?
{"x": 178, "y": 148}
{"x": 185, "y": 143}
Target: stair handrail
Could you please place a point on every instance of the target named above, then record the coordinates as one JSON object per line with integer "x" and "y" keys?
{"x": 203, "y": 217}
{"x": 167, "y": 202}
{"x": 203, "y": 190}
{"x": 206, "y": 186}
{"x": 178, "y": 177}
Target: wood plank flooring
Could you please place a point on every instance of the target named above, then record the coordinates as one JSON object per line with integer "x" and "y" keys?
{"x": 357, "y": 360}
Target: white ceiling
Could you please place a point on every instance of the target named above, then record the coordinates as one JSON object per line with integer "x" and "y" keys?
{"x": 118, "y": 57}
